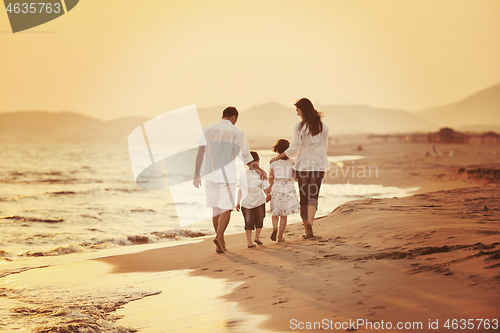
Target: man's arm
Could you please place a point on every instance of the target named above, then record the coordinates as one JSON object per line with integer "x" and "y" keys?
{"x": 254, "y": 166}
{"x": 240, "y": 195}
{"x": 197, "y": 168}
{"x": 246, "y": 157}
{"x": 267, "y": 191}
{"x": 294, "y": 146}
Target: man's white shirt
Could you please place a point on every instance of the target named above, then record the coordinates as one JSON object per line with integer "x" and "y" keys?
{"x": 225, "y": 142}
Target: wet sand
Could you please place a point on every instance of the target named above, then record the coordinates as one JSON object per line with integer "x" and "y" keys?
{"x": 430, "y": 257}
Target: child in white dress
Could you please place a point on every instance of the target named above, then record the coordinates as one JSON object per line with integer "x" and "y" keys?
{"x": 283, "y": 198}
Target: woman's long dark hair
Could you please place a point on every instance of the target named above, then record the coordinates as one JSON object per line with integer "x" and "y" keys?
{"x": 312, "y": 117}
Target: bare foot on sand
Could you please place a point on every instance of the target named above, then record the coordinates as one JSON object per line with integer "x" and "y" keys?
{"x": 309, "y": 231}
{"x": 218, "y": 248}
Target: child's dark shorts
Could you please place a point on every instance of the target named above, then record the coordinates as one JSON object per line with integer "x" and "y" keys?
{"x": 254, "y": 217}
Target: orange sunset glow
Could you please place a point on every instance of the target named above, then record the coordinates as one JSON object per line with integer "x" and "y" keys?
{"x": 120, "y": 58}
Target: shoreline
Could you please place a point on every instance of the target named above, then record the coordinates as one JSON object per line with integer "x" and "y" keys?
{"x": 433, "y": 255}
{"x": 410, "y": 165}
{"x": 411, "y": 269}
{"x": 369, "y": 259}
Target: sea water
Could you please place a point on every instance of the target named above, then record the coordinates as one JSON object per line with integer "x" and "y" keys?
{"x": 63, "y": 203}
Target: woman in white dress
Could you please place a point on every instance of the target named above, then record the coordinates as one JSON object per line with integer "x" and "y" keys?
{"x": 310, "y": 141}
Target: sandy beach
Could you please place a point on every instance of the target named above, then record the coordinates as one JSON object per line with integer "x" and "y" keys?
{"x": 414, "y": 263}
{"x": 425, "y": 262}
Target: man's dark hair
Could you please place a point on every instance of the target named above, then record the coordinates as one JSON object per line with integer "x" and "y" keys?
{"x": 255, "y": 156}
{"x": 229, "y": 112}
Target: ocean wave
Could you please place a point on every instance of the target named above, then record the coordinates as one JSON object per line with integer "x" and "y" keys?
{"x": 159, "y": 236}
{"x": 72, "y": 310}
{"x": 4, "y": 272}
{"x": 92, "y": 229}
{"x": 153, "y": 237}
{"x": 19, "y": 197}
{"x": 127, "y": 190}
{"x": 62, "y": 193}
{"x": 4, "y": 255}
{"x": 34, "y": 173}
{"x": 46, "y": 178}
{"x": 61, "y": 250}
{"x": 142, "y": 210}
{"x": 30, "y": 219}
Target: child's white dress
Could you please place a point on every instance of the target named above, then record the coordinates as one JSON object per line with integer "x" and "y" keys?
{"x": 283, "y": 199}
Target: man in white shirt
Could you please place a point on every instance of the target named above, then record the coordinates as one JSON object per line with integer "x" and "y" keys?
{"x": 219, "y": 145}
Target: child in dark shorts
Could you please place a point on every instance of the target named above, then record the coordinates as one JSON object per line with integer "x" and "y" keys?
{"x": 253, "y": 205}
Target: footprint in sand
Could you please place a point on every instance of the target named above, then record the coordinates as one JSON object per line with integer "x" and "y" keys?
{"x": 284, "y": 300}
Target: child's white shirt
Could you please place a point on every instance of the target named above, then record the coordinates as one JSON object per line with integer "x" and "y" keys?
{"x": 251, "y": 187}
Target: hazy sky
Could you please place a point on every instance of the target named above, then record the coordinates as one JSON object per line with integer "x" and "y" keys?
{"x": 118, "y": 58}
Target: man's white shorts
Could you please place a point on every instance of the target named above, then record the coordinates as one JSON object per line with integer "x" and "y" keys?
{"x": 220, "y": 195}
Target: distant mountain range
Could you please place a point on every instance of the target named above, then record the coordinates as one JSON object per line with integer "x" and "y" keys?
{"x": 275, "y": 119}
{"x": 63, "y": 127}
{"x": 479, "y": 112}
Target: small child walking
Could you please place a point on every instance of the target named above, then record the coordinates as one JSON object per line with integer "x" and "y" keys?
{"x": 283, "y": 199}
{"x": 253, "y": 206}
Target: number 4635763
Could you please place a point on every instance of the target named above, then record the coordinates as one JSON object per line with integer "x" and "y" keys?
{"x": 32, "y": 8}
{"x": 471, "y": 324}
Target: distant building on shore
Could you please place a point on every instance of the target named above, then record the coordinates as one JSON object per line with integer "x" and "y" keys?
{"x": 490, "y": 138}
{"x": 447, "y": 135}
{"x": 444, "y": 135}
